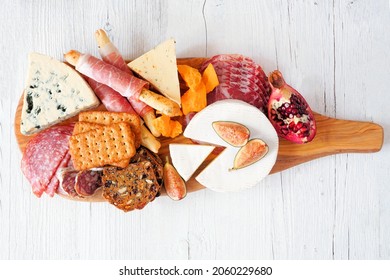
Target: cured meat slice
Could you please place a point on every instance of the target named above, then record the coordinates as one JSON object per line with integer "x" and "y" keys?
{"x": 185, "y": 119}
{"x": 54, "y": 183}
{"x": 239, "y": 78}
{"x": 67, "y": 177}
{"x": 87, "y": 182}
{"x": 79, "y": 183}
{"x": 112, "y": 100}
{"x": 43, "y": 155}
{"x": 102, "y": 72}
{"x": 111, "y": 55}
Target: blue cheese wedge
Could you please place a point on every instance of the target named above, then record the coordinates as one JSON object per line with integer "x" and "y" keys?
{"x": 158, "y": 66}
{"x": 54, "y": 92}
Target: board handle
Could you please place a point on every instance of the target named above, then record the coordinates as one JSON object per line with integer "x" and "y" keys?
{"x": 333, "y": 136}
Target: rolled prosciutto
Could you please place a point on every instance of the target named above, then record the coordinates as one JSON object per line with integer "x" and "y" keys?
{"x": 124, "y": 83}
{"x": 111, "y": 55}
{"x": 111, "y": 99}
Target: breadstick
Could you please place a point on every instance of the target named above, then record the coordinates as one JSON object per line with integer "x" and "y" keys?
{"x": 101, "y": 38}
{"x": 160, "y": 103}
{"x": 111, "y": 55}
{"x": 122, "y": 82}
{"x": 149, "y": 141}
{"x": 114, "y": 103}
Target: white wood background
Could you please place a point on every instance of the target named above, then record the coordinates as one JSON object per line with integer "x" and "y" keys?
{"x": 337, "y": 53}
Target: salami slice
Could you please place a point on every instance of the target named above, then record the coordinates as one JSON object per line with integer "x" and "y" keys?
{"x": 54, "y": 183}
{"x": 87, "y": 182}
{"x": 43, "y": 155}
{"x": 239, "y": 78}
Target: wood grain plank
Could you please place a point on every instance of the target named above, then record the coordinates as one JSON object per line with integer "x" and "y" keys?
{"x": 360, "y": 194}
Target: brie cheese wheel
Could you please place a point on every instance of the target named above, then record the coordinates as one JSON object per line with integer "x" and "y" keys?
{"x": 218, "y": 175}
{"x": 186, "y": 158}
{"x": 53, "y": 92}
{"x": 158, "y": 66}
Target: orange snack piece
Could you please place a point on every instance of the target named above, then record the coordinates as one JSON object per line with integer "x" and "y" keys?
{"x": 167, "y": 127}
{"x": 210, "y": 78}
{"x": 190, "y": 75}
{"x": 194, "y": 100}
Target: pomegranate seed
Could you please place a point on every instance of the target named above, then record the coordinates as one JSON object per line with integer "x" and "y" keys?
{"x": 283, "y": 116}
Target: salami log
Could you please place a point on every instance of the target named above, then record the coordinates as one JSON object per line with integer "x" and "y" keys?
{"x": 43, "y": 155}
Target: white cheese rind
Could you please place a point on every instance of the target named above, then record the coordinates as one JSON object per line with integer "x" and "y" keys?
{"x": 158, "y": 66}
{"x": 218, "y": 175}
{"x": 53, "y": 92}
{"x": 187, "y": 158}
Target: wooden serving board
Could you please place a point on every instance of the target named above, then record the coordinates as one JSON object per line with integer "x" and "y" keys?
{"x": 333, "y": 136}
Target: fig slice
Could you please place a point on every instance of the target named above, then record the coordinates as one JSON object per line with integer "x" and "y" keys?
{"x": 174, "y": 185}
{"x": 250, "y": 153}
{"x": 233, "y": 133}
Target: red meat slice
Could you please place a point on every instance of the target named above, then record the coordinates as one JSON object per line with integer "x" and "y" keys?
{"x": 87, "y": 182}
{"x": 111, "y": 55}
{"x": 43, "y": 155}
{"x": 79, "y": 183}
{"x": 239, "y": 78}
{"x": 54, "y": 183}
{"x": 67, "y": 177}
{"x": 111, "y": 99}
{"x": 107, "y": 74}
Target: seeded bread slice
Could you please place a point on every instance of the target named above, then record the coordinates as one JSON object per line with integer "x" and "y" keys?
{"x": 143, "y": 154}
{"x": 132, "y": 187}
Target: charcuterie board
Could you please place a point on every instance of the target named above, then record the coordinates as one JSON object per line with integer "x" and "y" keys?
{"x": 334, "y": 136}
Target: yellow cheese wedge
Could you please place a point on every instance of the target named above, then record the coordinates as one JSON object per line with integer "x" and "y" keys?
{"x": 158, "y": 67}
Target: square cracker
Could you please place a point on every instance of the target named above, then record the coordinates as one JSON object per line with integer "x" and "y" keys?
{"x": 102, "y": 146}
{"x": 107, "y": 118}
{"x": 81, "y": 127}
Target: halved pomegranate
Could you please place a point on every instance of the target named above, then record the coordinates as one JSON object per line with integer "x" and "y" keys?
{"x": 289, "y": 112}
